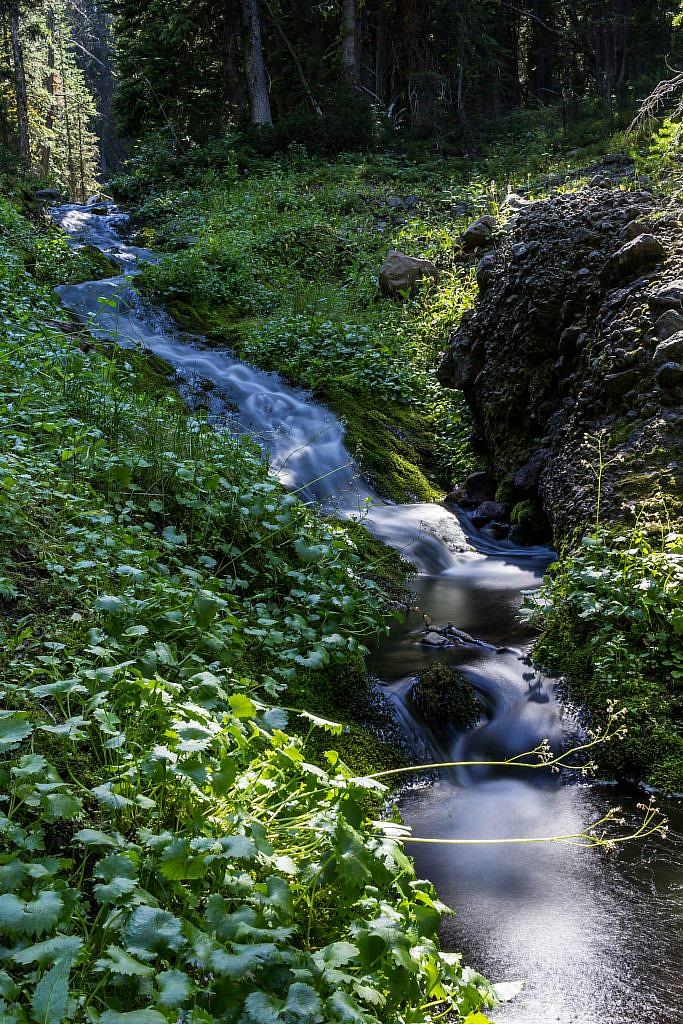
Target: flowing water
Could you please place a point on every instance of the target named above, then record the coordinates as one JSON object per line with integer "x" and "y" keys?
{"x": 595, "y": 937}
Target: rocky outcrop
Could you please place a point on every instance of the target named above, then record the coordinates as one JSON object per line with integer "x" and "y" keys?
{"x": 575, "y": 341}
{"x": 401, "y": 275}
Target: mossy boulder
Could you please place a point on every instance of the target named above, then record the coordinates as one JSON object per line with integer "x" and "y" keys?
{"x": 445, "y": 699}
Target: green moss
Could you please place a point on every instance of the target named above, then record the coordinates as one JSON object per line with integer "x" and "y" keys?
{"x": 382, "y": 564}
{"x": 392, "y": 445}
{"x": 528, "y": 522}
{"x": 445, "y": 698}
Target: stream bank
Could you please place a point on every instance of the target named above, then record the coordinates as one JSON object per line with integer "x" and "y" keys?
{"x": 538, "y": 925}
{"x": 570, "y": 361}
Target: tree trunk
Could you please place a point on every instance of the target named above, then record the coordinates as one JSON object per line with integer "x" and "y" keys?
{"x": 349, "y": 55}
{"x": 19, "y": 82}
{"x": 381, "y": 51}
{"x": 542, "y": 57}
{"x": 254, "y": 66}
{"x": 421, "y": 81}
{"x": 46, "y": 152}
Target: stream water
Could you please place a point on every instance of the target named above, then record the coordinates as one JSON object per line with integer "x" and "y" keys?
{"x": 595, "y": 937}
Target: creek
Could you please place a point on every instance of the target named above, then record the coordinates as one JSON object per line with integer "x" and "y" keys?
{"x": 595, "y": 937}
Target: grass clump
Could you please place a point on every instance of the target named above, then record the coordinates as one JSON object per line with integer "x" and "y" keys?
{"x": 168, "y": 847}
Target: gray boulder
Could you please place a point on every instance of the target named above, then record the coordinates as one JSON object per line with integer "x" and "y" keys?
{"x": 474, "y": 490}
{"x": 670, "y": 350}
{"x": 618, "y": 384}
{"x": 640, "y": 252}
{"x": 526, "y": 479}
{"x": 669, "y": 296}
{"x": 401, "y": 274}
{"x": 487, "y": 512}
{"x": 669, "y": 376}
{"x": 669, "y": 323}
{"x": 477, "y": 234}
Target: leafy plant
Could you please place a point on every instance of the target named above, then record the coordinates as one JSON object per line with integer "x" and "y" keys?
{"x": 167, "y": 849}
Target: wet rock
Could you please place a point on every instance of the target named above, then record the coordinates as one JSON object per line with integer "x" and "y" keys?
{"x": 526, "y": 479}
{"x": 669, "y": 350}
{"x": 643, "y": 251}
{"x": 446, "y": 700}
{"x": 499, "y": 530}
{"x": 46, "y": 195}
{"x": 669, "y": 296}
{"x": 669, "y": 377}
{"x": 477, "y": 234}
{"x": 401, "y": 274}
{"x": 100, "y": 210}
{"x": 475, "y": 489}
{"x": 488, "y": 511}
{"x": 433, "y": 639}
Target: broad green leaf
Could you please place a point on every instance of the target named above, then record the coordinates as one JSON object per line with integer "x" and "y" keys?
{"x": 177, "y": 861}
{"x": 151, "y": 930}
{"x": 14, "y": 727}
{"x": 174, "y": 988}
{"x": 323, "y": 723}
{"x": 315, "y": 659}
{"x": 8, "y": 989}
{"x": 337, "y": 954}
{"x": 173, "y": 537}
{"x": 71, "y": 728}
{"x": 118, "y": 961}
{"x": 61, "y": 947}
{"x": 241, "y": 706}
{"x": 93, "y": 837}
{"x": 18, "y": 917}
{"x": 42, "y": 914}
{"x": 309, "y": 552}
{"x": 109, "y": 798}
{"x": 341, "y": 1007}
{"x": 51, "y": 994}
{"x": 261, "y": 1008}
{"x": 30, "y": 765}
{"x": 110, "y": 603}
{"x": 133, "y": 1017}
{"x": 12, "y": 875}
{"x": 244, "y": 959}
{"x": 113, "y": 891}
{"x": 303, "y": 1003}
{"x": 62, "y": 805}
{"x": 135, "y": 631}
{"x": 504, "y": 991}
{"x": 115, "y": 865}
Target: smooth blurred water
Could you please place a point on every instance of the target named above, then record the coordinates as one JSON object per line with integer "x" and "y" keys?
{"x": 598, "y": 939}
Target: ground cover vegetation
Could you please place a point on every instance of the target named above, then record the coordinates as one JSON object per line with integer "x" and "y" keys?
{"x": 180, "y": 838}
{"x": 167, "y": 848}
{"x": 312, "y": 238}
